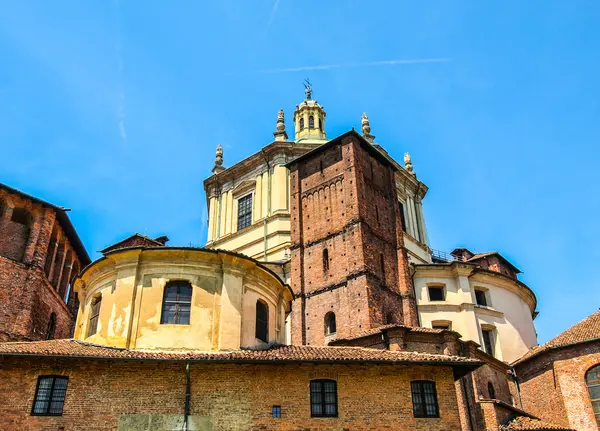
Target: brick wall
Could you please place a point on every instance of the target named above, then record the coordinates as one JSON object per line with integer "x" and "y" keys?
{"x": 560, "y": 376}
{"x": 348, "y": 252}
{"x": 230, "y": 397}
{"x": 35, "y": 270}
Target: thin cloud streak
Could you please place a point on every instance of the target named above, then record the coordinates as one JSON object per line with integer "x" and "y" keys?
{"x": 272, "y": 15}
{"x": 347, "y": 66}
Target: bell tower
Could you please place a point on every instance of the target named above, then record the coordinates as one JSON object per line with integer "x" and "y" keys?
{"x": 309, "y": 119}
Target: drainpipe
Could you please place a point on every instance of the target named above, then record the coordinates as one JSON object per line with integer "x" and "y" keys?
{"x": 466, "y": 400}
{"x": 188, "y": 395}
{"x": 513, "y": 373}
{"x": 268, "y": 205}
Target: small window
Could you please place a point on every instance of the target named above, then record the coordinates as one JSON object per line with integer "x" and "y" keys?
{"x": 50, "y": 395}
{"x": 488, "y": 341}
{"x": 323, "y": 398}
{"x": 330, "y": 326}
{"x": 325, "y": 260}
{"x": 51, "y": 327}
{"x": 402, "y": 219}
{"x": 424, "y": 398}
{"x": 177, "y": 302}
{"x": 436, "y": 293}
{"x": 244, "y": 212}
{"x": 311, "y": 122}
{"x": 277, "y": 412}
{"x": 441, "y": 325}
{"x": 262, "y": 321}
{"x": 592, "y": 381}
{"x": 491, "y": 391}
{"x": 321, "y": 124}
{"x": 94, "y": 315}
{"x": 302, "y": 123}
{"x": 21, "y": 216}
{"x": 481, "y": 297}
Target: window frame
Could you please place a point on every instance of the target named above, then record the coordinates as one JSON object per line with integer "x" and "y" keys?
{"x": 329, "y": 317}
{"x": 276, "y": 412}
{"x": 248, "y": 212}
{"x": 323, "y": 403}
{"x": 325, "y": 260}
{"x": 595, "y": 383}
{"x": 491, "y": 391}
{"x": 491, "y": 340}
{"x": 311, "y": 122}
{"x": 51, "y": 327}
{"x": 402, "y": 215}
{"x": 92, "y": 322}
{"x": 420, "y": 385}
{"x": 483, "y": 293}
{"x": 437, "y": 287}
{"x": 265, "y": 322}
{"x": 50, "y": 400}
{"x": 177, "y": 302}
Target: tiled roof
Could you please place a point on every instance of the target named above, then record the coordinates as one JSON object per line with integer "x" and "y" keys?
{"x": 491, "y": 253}
{"x": 276, "y": 353}
{"x": 586, "y": 330}
{"x": 379, "y": 329}
{"x": 523, "y": 423}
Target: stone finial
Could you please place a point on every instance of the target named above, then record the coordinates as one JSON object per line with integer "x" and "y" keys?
{"x": 408, "y": 165}
{"x": 366, "y": 128}
{"x": 280, "y": 134}
{"x": 218, "y": 160}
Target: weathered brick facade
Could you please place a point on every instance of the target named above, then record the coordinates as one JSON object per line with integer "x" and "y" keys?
{"x": 348, "y": 252}
{"x": 560, "y": 375}
{"x": 37, "y": 262}
{"x": 105, "y": 395}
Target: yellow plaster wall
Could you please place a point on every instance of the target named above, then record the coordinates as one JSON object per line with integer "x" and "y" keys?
{"x": 225, "y": 289}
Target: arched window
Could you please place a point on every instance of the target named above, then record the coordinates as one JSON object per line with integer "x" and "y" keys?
{"x": 302, "y": 123}
{"x": 321, "y": 124}
{"x": 262, "y": 321}
{"x": 177, "y": 301}
{"x": 330, "y": 326}
{"x": 323, "y": 398}
{"x": 311, "y": 122}
{"x": 325, "y": 260}
{"x": 94, "y": 315}
{"x": 51, "y": 327}
{"x": 592, "y": 380}
{"x": 491, "y": 391}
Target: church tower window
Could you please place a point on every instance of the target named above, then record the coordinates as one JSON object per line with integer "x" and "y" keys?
{"x": 325, "y": 260}
{"x": 302, "y": 123}
{"x": 311, "y": 122}
{"x": 330, "y": 325}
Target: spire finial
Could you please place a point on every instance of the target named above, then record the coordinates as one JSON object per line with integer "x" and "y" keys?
{"x": 218, "y": 160}
{"x": 408, "y": 165}
{"x": 308, "y": 89}
{"x": 366, "y": 128}
{"x": 280, "y": 134}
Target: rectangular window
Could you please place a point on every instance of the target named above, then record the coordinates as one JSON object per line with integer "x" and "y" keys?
{"x": 424, "y": 398}
{"x": 50, "y": 395}
{"x": 323, "y": 398}
{"x": 436, "y": 293}
{"x": 402, "y": 219}
{"x": 94, "y": 315}
{"x": 488, "y": 341}
{"x": 276, "y": 411}
{"x": 480, "y": 297}
{"x": 244, "y": 212}
{"x": 445, "y": 326}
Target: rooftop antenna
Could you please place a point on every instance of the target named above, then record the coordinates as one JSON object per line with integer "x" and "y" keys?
{"x": 308, "y": 89}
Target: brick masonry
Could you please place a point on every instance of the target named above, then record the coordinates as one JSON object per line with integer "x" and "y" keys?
{"x": 559, "y": 374}
{"x": 228, "y": 397}
{"x": 348, "y": 252}
{"x": 36, "y": 264}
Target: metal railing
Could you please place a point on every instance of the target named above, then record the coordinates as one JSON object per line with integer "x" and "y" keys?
{"x": 442, "y": 256}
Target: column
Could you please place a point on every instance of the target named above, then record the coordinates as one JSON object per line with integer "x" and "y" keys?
{"x": 211, "y": 218}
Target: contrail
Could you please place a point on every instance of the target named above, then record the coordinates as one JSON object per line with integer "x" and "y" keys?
{"x": 351, "y": 65}
{"x": 272, "y": 15}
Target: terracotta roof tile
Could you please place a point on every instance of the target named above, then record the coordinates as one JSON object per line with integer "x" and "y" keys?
{"x": 379, "y": 329}
{"x": 276, "y": 353}
{"x": 523, "y": 423}
{"x": 586, "y": 330}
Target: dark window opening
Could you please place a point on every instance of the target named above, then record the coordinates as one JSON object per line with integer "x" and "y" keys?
{"x": 424, "y": 398}
{"x": 491, "y": 391}
{"x": 244, "y": 212}
{"x": 389, "y": 318}
{"x": 262, "y": 321}
{"x": 436, "y": 293}
{"x": 177, "y": 302}
{"x": 488, "y": 343}
{"x": 441, "y": 325}
{"x": 51, "y": 327}
{"x": 321, "y": 165}
{"x": 480, "y": 297}
{"x": 377, "y": 214}
{"x": 276, "y": 411}
{"x": 323, "y": 398}
{"x": 94, "y": 315}
{"x": 302, "y": 123}
{"x": 21, "y": 216}
{"x": 330, "y": 326}
{"x": 50, "y": 396}
{"x": 311, "y": 122}
{"x": 321, "y": 124}
{"x": 325, "y": 260}
{"x": 402, "y": 220}
{"x": 382, "y": 265}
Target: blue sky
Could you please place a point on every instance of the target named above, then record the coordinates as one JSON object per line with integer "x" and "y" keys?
{"x": 114, "y": 110}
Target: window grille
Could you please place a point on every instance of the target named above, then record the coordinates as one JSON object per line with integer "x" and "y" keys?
{"x": 177, "y": 301}
{"x": 424, "y": 398}
{"x": 50, "y": 396}
{"x": 244, "y": 212}
{"x": 323, "y": 398}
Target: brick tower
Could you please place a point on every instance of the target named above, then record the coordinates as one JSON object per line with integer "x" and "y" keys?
{"x": 349, "y": 265}
{"x": 40, "y": 253}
